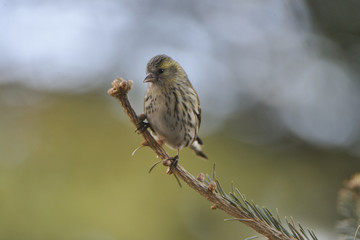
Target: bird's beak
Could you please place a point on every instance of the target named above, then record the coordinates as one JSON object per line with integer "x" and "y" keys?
{"x": 149, "y": 78}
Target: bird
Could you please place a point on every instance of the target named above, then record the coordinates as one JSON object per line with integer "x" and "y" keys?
{"x": 172, "y": 106}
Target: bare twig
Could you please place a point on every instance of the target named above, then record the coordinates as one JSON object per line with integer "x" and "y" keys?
{"x": 119, "y": 90}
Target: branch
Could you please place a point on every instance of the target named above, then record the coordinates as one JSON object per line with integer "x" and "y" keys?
{"x": 259, "y": 219}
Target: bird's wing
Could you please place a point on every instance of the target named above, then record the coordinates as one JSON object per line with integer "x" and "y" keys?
{"x": 197, "y": 109}
{"x": 196, "y": 102}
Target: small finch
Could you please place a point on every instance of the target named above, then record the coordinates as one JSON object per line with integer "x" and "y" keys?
{"x": 172, "y": 106}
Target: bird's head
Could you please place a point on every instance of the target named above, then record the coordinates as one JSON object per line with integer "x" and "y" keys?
{"x": 163, "y": 70}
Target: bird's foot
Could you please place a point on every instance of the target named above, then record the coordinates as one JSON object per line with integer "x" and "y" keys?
{"x": 142, "y": 126}
{"x": 171, "y": 162}
{"x": 174, "y": 161}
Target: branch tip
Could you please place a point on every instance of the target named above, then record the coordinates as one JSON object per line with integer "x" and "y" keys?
{"x": 120, "y": 87}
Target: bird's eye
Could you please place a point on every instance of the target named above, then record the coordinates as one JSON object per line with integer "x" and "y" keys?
{"x": 161, "y": 70}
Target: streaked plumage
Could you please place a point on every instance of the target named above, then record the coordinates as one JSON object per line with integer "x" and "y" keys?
{"x": 171, "y": 105}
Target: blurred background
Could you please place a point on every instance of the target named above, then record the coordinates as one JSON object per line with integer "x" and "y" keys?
{"x": 279, "y": 85}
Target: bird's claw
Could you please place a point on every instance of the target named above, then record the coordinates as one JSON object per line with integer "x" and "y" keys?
{"x": 174, "y": 161}
{"x": 142, "y": 126}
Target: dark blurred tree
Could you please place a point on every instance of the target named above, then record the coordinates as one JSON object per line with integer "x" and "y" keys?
{"x": 349, "y": 209}
{"x": 340, "y": 22}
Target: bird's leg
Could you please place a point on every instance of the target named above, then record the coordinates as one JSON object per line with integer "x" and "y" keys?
{"x": 174, "y": 161}
{"x": 141, "y": 125}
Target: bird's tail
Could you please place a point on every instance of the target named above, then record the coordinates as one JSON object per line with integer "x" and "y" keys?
{"x": 196, "y": 146}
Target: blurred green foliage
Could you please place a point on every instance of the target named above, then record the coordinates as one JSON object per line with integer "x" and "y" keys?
{"x": 66, "y": 172}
